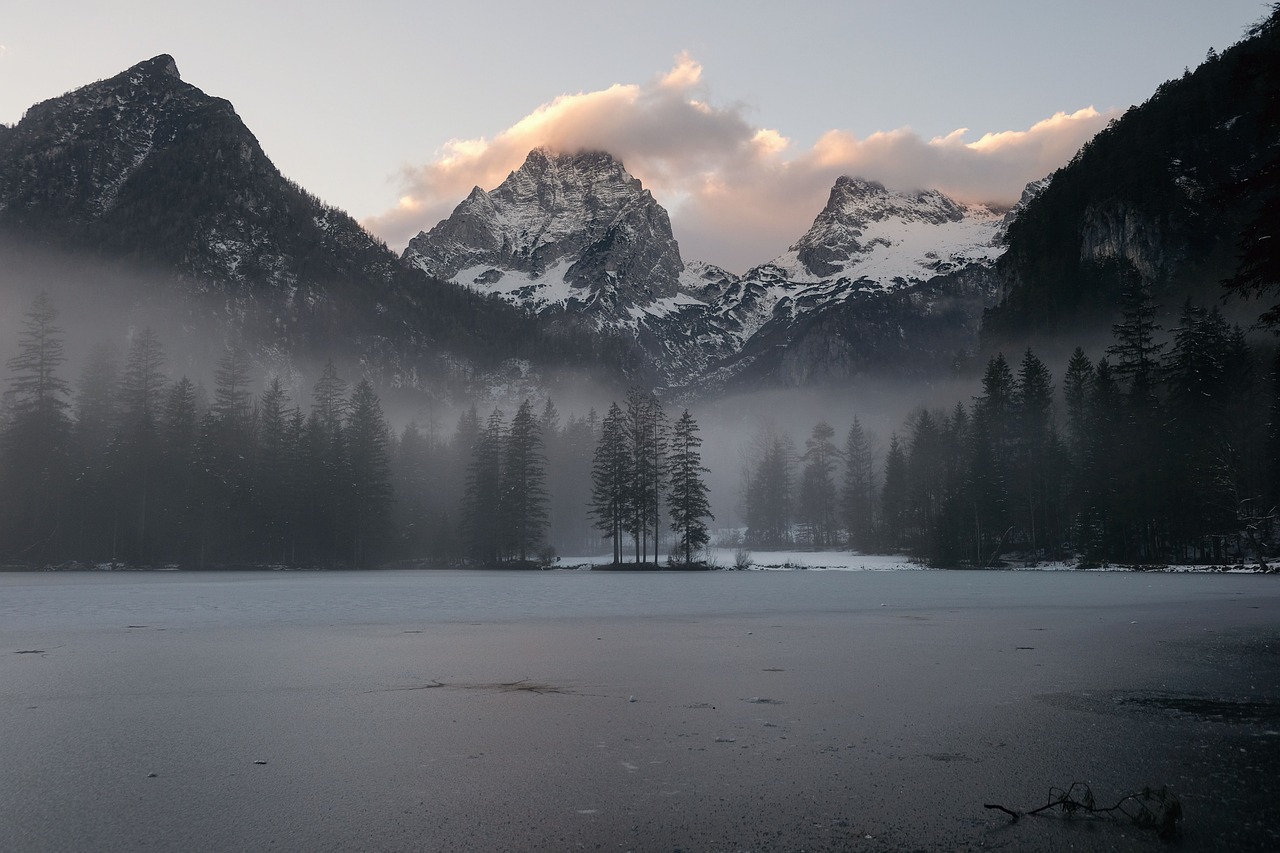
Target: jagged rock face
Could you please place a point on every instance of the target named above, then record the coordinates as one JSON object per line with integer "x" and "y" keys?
{"x": 877, "y": 269}
{"x": 104, "y": 132}
{"x": 1030, "y": 193}
{"x": 144, "y": 164}
{"x": 872, "y": 235}
{"x": 145, "y": 169}
{"x": 1119, "y": 232}
{"x": 917, "y": 331}
{"x": 861, "y": 215}
{"x": 575, "y": 238}
{"x": 563, "y": 230}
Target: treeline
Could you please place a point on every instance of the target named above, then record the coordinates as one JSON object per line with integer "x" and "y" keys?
{"x": 136, "y": 468}
{"x": 642, "y": 470}
{"x": 148, "y": 471}
{"x": 1161, "y": 451}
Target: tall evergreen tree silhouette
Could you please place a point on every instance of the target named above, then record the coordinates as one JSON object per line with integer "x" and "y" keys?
{"x": 688, "y": 498}
{"x": 36, "y": 440}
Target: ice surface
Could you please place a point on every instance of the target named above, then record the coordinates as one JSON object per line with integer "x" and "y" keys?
{"x": 432, "y": 711}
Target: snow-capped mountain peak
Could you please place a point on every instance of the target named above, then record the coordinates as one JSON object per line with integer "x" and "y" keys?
{"x": 562, "y": 229}
{"x": 874, "y": 235}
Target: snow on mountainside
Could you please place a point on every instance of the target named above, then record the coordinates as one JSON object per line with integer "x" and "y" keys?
{"x": 869, "y": 240}
{"x": 564, "y": 231}
{"x": 575, "y": 237}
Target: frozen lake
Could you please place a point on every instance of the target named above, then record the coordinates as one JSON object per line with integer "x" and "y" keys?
{"x": 424, "y": 711}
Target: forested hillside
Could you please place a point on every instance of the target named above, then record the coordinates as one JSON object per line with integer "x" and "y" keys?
{"x": 1173, "y": 192}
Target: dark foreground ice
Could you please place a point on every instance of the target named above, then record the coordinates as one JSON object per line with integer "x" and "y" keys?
{"x": 424, "y": 711}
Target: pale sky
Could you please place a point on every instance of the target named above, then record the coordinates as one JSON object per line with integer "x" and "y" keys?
{"x": 738, "y": 116}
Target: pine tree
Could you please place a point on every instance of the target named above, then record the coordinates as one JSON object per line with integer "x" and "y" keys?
{"x": 859, "y": 491}
{"x": 1077, "y": 388}
{"x": 1136, "y": 351}
{"x": 1035, "y": 473}
{"x": 179, "y": 479}
{"x": 367, "y": 439}
{"x": 994, "y": 444}
{"x": 646, "y": 436}
{"x": 97, "y": 409}
{"x": 136, "y": 455}
{"x": 225, "y": 450}
{"x": 925, "y": 485}
{"x": 688, "y": 502}
{"x": 523, "y": 494}
{"x": 817, "y": 498}
{"x": 273, "y": 473}
{"x": 557, "y": 470}
{"x": 97, "y": 424}
{"x": 572, "y": 483}
{"x": 416, "y": 511}
{"x": 769, "y": 490}
{"x": 36, "y": 442}
{"x": 328, "y": 468}
{"x": 611, "y": 480}
{"x": 895, "y": 500}
{"x": 482, "y": 496}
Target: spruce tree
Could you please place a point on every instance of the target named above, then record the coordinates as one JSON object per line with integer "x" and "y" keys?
{"x": 179, "y": 479}
{"x": 369, "y": 464}
{"x": 646, "y": 436}
{"x": 896, "y": 499}
{"x": 858, "y": 493}
{"x": 273, "y": 473}
{"x": 136, "y": 457}
{"x": 817, "y": 497}
{"x": 1035, "y": 475}
{"x": 36, "y": 442}
{"x": 482, "y": 496}
{"x": 523, "y": 495}
{"x": 611, "y": 480}
{"x": 769, "y": 490}
{"x": 97, "y": 425}
{"x": 688, "y": 502}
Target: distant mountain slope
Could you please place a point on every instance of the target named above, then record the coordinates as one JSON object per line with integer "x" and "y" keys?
{"x": 145, "y": 166}
{"x": 574, "y": 238}
{"x": 577, "y": 240}
{"x": 1163, "y": 193}
{"x": 568, "y": 228}
{"x": 883, "y": 282}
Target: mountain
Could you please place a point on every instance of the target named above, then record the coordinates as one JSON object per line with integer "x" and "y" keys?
{"x": 575, "y": 239}
{"x": 568, "y": 262}
{"x": 573, "y": 230}
{"x": 1166, "y": 194}
{"x": 883, "y": 282}
{"x": 146, "y": 168}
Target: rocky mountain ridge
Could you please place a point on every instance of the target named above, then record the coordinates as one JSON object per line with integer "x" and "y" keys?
{"x": 574, "y": 236}
{"x": 145, "y": 168}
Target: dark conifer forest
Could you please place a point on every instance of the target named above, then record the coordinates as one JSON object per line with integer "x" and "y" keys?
{"x": 1161, "y": 449}
{"x": 128, "y": 466}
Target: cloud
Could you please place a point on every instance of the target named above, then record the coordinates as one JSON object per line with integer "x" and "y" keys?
{"x": 738, "y": 193}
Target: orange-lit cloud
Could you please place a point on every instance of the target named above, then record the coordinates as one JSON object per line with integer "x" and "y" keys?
{"x": 738, "y": 193}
